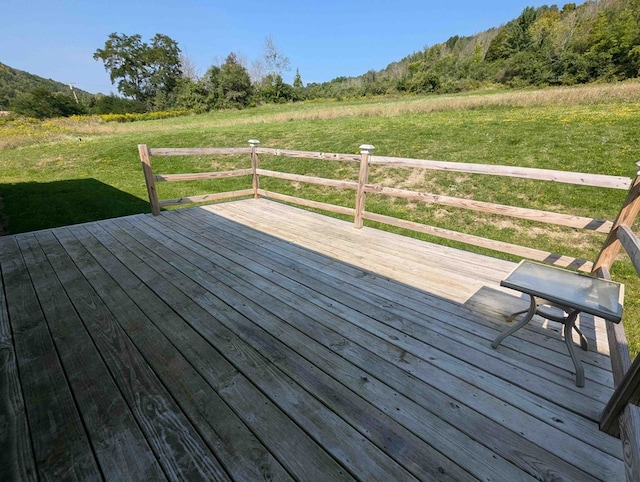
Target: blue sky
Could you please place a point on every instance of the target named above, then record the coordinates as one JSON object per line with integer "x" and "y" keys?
{"x": 324, "y": 39}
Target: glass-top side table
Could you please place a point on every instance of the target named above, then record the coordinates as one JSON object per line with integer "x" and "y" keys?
{"x": 571, "y": 292}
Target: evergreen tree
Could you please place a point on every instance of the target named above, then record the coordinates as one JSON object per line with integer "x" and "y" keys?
{"x": 297, "y": 81}
{"x": 234, "y": 83}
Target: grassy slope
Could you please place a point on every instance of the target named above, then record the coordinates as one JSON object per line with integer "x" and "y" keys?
{"x": 49, "y": 177}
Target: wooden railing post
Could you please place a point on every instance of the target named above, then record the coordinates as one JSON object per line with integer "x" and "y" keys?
{"x": 363, "y": 178}
{"x": 626, "y": 216}
{"x": 254, "y": 166}
{"x": 145, "y": 157}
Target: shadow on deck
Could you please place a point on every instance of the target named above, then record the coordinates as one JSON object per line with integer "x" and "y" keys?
{"x": 252, "y": 340}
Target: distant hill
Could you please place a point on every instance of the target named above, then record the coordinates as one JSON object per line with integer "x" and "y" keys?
{"x": 14, "y": 82}
{"x": 550, "y": 45}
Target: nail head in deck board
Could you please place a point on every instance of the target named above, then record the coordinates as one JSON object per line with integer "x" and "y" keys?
{"x": 17, "y": 462}
{"x": 167, "y": 429}
{"x": 112, "y": 429}
{"x": 59, "y": 441}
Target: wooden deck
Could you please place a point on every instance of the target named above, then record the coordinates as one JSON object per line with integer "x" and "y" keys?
{"x": 251, "y": 340}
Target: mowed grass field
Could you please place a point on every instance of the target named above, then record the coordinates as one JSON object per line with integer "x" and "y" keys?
{"x": 68, "y": 171}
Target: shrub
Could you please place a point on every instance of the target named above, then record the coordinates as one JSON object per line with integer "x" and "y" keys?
{"x": 40, "y": 103}
{"x": 133, "y": 117}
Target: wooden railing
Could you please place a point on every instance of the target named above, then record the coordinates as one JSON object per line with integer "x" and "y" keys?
{"x": 363, "y": 187}
{"x": 622, "y": 415}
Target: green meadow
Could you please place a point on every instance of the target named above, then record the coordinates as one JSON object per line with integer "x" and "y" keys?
{"x": 67, "y": 171}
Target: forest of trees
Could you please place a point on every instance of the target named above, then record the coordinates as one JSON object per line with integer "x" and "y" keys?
{"x": 14, "y": 83}
{"x": 549, "y": 45}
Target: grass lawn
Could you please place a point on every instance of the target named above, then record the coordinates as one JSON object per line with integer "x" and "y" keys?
{"x": 69, "y": 171}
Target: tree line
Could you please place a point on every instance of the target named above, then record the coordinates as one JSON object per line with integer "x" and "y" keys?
{"x": 545, "y": 46}
{"x": 549, "y": 45}
{"x": 160, "y": 77}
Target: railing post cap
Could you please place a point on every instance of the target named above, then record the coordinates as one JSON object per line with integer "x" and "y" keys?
{"x": 365, "y": 148}
{"x": 253, "y": 142}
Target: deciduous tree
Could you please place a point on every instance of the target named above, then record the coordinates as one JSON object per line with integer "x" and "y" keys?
{"x": 41, "y": 103}
{"x": 142, "y": 71}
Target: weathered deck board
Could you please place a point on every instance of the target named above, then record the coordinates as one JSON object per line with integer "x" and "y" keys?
{"x": 252, "y": 340}
{"x": 348, "y": 247}
{"x": 247, "y": 311}
{"x": 233, "y": 443}
{"x": 111, "y": 427}
{"x": 97, "y": 300}
{"x": 273, "y": 427}
{"x": 379, "y": 295}
{"x": 62, "y": 448}
{"x": 16, "y": 453}
{"x": 476, "y": 424}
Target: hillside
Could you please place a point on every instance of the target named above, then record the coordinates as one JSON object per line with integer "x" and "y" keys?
{"x": 545, "y": 46}
{"x": 595, "y": 41}
{"x": 14, "y": 82}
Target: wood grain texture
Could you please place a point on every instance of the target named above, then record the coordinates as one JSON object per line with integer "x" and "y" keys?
{"x": 539, "y": 255}
{"x": 198, "y": 151}
{"x": 255, "y": 340}
{"x": 110, "y": 425}
{"x": 147, "y": 170}
{"x": 582, "y": 179}
{"x": 16, "y": 454}
{"x": 626, "y": 217}
{"x": 309, "y": 179}
{"x": 61, "y": 446}
{"x": 202, "y": 175}
{"x": 627, "y": 392}
{"x": 409, "y": 270}
{"x": 308, "y": 155}
{"x": 630, "y": 435}
{"x": 255, "y": 164}
{"x": 307, "y": 203}
{"x": 166, "y": 427}
{"x": 315, "y": 291}
{"x": 383, "y": 433}
{"x": 289, "y": 444}
{"x": 195, "y": 379}
{"x": 559, "y": 219}
{"x": 631, "y": 244}
{"x": 205, "y": 198}
{"x": 363, "y": 179}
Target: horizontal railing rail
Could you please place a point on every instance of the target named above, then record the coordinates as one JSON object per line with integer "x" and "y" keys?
{"x": 578, "y": 178}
